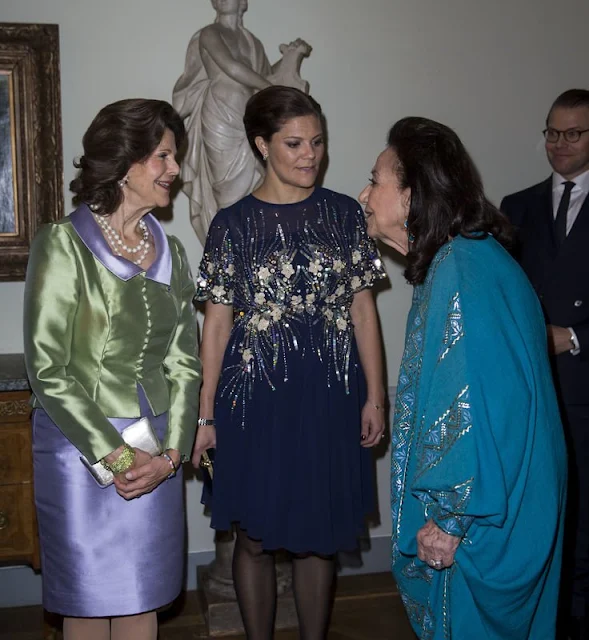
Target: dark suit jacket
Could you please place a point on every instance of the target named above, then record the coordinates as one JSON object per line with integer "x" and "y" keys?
{"x": 559, "y": 276}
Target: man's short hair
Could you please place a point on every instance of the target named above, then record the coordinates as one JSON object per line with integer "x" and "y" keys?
{"x": 570, "y": 99}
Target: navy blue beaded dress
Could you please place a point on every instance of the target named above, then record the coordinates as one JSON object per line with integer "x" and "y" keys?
{"x": 289, "y": 467}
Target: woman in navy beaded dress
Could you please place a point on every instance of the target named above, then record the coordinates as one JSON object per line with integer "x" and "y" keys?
{"x": 293, "y": 392}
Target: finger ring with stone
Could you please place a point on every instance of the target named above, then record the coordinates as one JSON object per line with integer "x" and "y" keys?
{"x": 436, "y": 564}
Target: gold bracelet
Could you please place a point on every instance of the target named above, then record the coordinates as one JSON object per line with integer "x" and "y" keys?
{"x": 124, "y": 461}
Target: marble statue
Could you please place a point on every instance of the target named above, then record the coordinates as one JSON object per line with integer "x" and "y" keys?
{"x": 225, "y": 65}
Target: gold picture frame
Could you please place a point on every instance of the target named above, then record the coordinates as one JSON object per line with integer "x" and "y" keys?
{"x": 31, "y": 159}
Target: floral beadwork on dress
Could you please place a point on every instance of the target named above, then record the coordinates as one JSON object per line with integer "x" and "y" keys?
{"x": 290, "y": 272}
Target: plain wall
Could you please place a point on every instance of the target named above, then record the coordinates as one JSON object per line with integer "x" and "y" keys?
{"x": 488, "y": 69}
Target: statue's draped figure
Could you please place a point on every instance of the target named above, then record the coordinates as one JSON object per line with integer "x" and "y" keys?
{"x": 225, "y": 65}
{"x": 219, "y": 167}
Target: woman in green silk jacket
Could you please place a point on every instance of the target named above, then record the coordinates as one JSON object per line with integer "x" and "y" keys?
{"x": 110, "y": 336}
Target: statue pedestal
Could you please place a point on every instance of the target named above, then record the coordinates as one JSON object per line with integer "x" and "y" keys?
{"x": 222, "y": 611}
{"x": 219, "y": 603}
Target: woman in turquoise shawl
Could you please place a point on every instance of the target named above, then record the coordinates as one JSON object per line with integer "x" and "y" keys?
{"x": 478, "y": 455}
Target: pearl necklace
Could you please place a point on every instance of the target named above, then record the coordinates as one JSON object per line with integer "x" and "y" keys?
{"x": 116, "y": 243}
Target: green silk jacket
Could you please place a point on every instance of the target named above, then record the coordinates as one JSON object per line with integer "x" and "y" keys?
{"x": 96, "y": 326}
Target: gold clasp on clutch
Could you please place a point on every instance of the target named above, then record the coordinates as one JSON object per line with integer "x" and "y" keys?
{"x": 206, "y": 463}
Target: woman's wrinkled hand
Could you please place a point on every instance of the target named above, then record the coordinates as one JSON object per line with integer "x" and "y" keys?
{"x": 373, "y": 424}
{"x": 145, "y": 474}
{"x": 206, "y": 438}
{"x": 435, "y": 547}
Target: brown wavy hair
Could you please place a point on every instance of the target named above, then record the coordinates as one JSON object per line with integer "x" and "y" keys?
{"x": 122, "y": 134}
{"x": 447, "y": 197}
{"x": 269, "y": 109}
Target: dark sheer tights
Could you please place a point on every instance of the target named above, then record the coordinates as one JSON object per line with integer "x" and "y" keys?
{"x": 254, "y": 576}
{"x": 312, "y": 581}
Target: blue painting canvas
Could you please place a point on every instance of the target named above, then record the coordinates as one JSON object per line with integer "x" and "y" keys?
{"x": 7, "y": 190}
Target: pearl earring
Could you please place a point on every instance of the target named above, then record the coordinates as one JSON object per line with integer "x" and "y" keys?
{"x": 123, "y": 182}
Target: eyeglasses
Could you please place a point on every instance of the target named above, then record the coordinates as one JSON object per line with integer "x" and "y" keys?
{"x": 570, "y": 135}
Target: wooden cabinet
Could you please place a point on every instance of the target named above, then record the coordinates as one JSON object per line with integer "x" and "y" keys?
{"x": 18, "y": 526}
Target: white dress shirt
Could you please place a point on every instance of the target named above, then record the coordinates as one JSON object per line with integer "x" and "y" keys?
{"x": 578, "y": 194}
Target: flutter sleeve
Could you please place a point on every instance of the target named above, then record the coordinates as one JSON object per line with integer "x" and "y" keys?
{"x": 215, "y": 279}
{"x": 365, "y": 260}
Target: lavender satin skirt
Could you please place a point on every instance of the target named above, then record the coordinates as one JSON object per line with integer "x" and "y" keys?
{"x": 102, "y": 556}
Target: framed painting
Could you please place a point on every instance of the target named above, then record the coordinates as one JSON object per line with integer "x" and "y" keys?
{"x": 31, "y": 163}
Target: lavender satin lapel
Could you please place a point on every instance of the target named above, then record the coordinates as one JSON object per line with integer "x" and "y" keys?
{"x": 91, "y": 235}
{"x": 161, "y": 269}
{"x": 87, "y": 228}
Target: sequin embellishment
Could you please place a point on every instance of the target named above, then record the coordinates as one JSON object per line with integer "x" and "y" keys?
{"x": 291, "y": 280}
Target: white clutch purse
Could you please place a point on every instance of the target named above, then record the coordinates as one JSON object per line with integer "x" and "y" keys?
{"x": 139, "y": 435}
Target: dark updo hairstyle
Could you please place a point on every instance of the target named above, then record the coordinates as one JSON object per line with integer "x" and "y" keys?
{"x": 267, "y": 111}
{"x": 447, "y": 197}
{"x": 123, "y": 133}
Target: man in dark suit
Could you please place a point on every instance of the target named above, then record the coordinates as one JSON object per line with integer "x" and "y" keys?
{"x": 552, "y": 220}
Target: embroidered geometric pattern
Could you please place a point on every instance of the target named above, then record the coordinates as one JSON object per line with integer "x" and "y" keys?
{"x": 404, "y": 410}
{"x": 448, "y": 574}
{"x": 445, "y": 432}
{"x": 445, "y": 507}
{"x": 454, "y": 329}
{"x": 439, "y": 439}
{"x": 422, "y": 617}
{"x": 406, "y": 400}
{"x": 419, "y": 570}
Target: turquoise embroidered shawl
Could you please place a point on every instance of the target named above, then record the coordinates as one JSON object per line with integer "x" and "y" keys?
{"x": 477, "y": 446}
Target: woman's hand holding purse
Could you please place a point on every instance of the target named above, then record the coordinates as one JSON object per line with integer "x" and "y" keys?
{"x": 206, "y": 438}
{"x": 145, "y": 474}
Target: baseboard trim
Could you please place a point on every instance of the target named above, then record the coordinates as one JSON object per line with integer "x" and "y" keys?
{"x": 21, "y": 586}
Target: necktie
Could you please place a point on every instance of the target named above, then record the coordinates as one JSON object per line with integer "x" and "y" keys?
{"x": 560, "y": 222}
